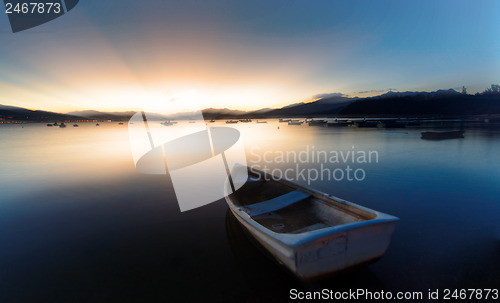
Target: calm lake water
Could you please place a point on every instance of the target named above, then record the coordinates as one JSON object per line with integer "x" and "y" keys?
{"x": 79, "y": 224}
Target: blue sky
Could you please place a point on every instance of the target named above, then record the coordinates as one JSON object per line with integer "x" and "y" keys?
{"x": 119, "y": 55}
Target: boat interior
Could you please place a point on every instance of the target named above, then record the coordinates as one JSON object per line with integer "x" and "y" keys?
{"x": 284, "y": 207}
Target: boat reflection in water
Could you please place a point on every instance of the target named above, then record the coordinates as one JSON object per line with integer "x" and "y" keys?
{"x": 455, "y": 134}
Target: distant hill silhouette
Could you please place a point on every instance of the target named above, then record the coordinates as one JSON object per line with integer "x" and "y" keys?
{"x": 96, "y": 115}
{"x": 328, "y": 105}
{"x": 224, "y": 113}
{"x": 13, "y": 113}
{"x": 441, "y": 103}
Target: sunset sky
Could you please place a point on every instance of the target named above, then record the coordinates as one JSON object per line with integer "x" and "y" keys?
{"x": 124, "y": 55}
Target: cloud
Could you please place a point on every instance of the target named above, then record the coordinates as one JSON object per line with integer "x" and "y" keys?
{"x": 329, "y": 95}
{"x": 376, "y": 91}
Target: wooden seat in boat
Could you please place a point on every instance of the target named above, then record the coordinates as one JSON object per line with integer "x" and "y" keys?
{"x": 276, "y": 203}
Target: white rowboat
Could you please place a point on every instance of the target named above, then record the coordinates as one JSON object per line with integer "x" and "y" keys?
{"x": 311, "y": 233}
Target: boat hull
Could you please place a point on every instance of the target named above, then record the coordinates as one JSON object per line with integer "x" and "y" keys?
{"x": 320, "y": 258}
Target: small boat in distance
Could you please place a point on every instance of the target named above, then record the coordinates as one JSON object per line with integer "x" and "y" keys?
{"x": 97, "y": 124}
{"x": 312, "y": 234}
{"x": 62, "y": 125}
{"x": 313, "y": 122}
{"x": 168, "y": 123}
{"x": 49, "y": 125}
{"x": 295, "y": 122}
{"x": 455, "y": 134}
{"x": 337, "y": 123}
{"x": 121, "y": 123}
{"x": 212, "y": 121}
{"x": 75, "y": 125}
{"x": 365, "y": 123}
{"x": 391, "y": 123}
{"x": 284, "y": 120}
{"x": 232, "y": 121}
{"x": 245, "y": 120}
{"x": 260, "y": 122}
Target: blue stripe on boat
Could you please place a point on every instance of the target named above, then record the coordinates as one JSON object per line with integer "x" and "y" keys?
{"x": 254, "y": 179}
{"x": 276, "y": 203}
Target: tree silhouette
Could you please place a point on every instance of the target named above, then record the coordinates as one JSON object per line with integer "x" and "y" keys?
{"x": 464, "y": 90}
{"x": 493, "y": 90}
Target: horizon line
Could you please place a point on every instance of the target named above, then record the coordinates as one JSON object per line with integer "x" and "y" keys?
{"x": 310, "y": 100}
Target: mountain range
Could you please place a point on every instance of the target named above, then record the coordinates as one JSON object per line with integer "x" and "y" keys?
{"x": 316, "y": 108}
{"x": 395, "y": 104}
{"x": 13, "y": 113}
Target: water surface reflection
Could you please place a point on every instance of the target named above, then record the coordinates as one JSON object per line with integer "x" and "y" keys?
{"x": 78, "y": 223}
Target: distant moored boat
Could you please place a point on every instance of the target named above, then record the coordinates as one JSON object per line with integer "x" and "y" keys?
{"x": 338, "y": 123}
{"x": 313, "y": 122}
{"x": 295, "y": 122}
{"x": 365, "y": 123}
{"x": 455, "y": 134}
{"x": 168, "y": 123}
